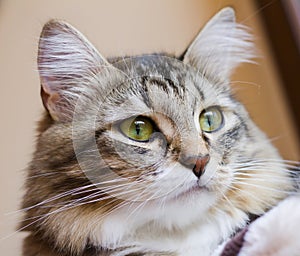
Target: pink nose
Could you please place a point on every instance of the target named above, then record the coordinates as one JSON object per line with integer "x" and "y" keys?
{"x": 196, "y": 163}
{"x": 200, "y": 163}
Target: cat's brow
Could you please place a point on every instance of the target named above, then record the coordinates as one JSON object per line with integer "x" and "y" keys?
{"x": 166, "y": 84}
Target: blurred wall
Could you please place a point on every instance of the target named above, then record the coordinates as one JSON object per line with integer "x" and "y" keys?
{"x": 116, "y": 28}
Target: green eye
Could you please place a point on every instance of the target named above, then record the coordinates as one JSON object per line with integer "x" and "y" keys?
{"x": 137, "y": 128}
{"x": 211, "y": 119}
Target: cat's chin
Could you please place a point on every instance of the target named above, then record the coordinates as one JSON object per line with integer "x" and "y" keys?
{"x": 178, "y": 216}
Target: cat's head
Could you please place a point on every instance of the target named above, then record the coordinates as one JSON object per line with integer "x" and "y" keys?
{"x": 147, "y": 132}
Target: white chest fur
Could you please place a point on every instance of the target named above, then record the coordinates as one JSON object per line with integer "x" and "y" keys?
{"x": 182, "y": 227}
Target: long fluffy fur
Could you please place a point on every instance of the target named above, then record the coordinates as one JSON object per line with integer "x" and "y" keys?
{"x": 92, "y": 190}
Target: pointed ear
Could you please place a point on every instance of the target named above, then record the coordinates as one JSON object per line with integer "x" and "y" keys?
{"x": 220, "y": 46}
{"x": 65, "y": 60}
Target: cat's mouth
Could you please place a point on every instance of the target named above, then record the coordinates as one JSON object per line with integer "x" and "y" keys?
{"x": 194, "y": 190}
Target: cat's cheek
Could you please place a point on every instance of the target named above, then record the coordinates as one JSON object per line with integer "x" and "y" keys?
{"x": 216, "y": 178}
{"x": 136, "y": 153}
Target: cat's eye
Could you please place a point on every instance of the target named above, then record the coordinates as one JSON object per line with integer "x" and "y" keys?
{"x": 211, "y": 119}
{"x": 137, "y": 128}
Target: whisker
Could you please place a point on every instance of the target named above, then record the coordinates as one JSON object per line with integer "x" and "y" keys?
{"x": 261, "y": 187}
{"x": 248, "y": 193}
{"x": 262, "y": 177}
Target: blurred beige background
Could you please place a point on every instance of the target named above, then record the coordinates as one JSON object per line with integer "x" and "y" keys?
{"x": 116, "y": 28}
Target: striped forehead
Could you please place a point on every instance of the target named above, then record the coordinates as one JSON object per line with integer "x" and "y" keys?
{"x": 166, "y": 85}
{"x": 189, "y": 91}
{"x": 170, "y": 95}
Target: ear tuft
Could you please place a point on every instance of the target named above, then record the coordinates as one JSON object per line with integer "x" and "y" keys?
{"x": 220, "y": 46}
{"x": 66, "y": 60}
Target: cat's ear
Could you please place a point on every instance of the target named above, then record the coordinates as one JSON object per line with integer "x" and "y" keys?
{"x": 66, "y": 60}
{"x": 220, "y": 46}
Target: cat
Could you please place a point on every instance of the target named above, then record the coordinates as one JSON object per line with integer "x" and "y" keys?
{"x": 146, "y": 155}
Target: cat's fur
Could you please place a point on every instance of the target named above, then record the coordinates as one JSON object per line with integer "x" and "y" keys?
{"x": 92, "y": 191}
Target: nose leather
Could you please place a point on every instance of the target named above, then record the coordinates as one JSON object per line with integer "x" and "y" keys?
{"x": 199, "y": 167}
{"x": 197, "y": 164}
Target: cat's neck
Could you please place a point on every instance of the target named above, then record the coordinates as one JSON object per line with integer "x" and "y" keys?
{"x": 176, "y": 232}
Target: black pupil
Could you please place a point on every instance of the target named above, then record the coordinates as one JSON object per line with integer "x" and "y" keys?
{"x": 209, "y": 118}
{"x": 138, "y": 125}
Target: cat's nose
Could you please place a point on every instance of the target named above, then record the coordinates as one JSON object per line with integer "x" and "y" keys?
{"x": 200, "y": 164}
{"x": 197, "y": 164}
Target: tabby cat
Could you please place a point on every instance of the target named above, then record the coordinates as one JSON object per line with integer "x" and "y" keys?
{"x": 146, "y": 155}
